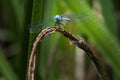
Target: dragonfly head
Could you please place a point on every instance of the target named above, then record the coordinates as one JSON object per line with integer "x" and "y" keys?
{"x": 58, "y": 19}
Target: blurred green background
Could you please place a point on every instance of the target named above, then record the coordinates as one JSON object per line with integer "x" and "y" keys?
{"x": 100, "y": 28}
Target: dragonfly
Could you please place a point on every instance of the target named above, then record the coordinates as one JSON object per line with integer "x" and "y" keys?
{"x": 54, "y": 21}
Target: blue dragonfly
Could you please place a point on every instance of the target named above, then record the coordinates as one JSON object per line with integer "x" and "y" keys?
{"x": 54, "y": 21}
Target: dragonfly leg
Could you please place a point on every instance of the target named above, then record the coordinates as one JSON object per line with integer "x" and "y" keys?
{"x": 60, "y": 24}
{"x": 56, "y": 24}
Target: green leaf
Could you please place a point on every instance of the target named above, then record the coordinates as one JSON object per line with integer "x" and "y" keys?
{"x": 6, "y": 69}
{"x": 109, "y": 17}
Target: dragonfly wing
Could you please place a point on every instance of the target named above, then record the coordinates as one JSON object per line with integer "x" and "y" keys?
{"x": 76, "y": 16}
{"x": 36, "y": 28}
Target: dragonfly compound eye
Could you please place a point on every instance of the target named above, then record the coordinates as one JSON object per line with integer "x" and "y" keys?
{"x": 58, "y": 18}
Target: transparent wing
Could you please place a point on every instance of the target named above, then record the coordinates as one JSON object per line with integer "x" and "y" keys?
{"x": 36, "y": 28}
{"x": 76, "y": 16}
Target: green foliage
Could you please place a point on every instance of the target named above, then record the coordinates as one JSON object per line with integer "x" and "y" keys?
{"x": 102, "y": 34}
{"x": 6, "y": 69}
{"x": 99, "y": 34}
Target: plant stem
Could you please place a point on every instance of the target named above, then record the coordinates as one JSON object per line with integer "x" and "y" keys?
{"x": 78, "y": 42}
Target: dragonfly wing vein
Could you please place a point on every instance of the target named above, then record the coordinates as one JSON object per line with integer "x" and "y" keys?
{"x": 36, "y": 28}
